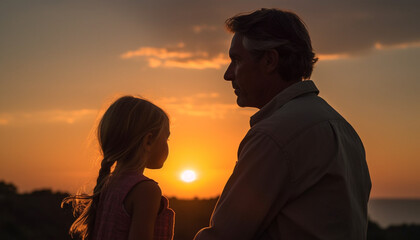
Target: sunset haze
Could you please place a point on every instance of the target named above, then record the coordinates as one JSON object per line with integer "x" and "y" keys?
{"x": 63, "y": 62}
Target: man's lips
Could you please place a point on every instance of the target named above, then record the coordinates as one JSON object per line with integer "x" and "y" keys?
{"x": 235, "y": 88}
{"x": 237, "y": 91}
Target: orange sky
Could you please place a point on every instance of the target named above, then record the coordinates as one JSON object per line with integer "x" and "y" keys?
{"x": 62, "y": 62}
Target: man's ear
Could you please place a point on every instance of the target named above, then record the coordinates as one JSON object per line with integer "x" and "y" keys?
{"x": 148, "y": 142}
{"x": 270, "y": 60}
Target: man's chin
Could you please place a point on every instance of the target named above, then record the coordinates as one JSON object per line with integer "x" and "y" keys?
{"x": 241, "y": 103}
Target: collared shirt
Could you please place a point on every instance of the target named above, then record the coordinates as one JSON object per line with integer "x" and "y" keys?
{"x": 301, "y": 174}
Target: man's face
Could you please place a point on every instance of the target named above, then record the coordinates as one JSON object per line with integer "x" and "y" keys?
{"x": 245, "y": 73}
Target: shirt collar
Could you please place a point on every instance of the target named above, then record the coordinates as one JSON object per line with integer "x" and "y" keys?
{"x": 293, "y": 91}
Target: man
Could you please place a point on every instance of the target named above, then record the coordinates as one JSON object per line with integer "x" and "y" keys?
{"x": 301, "y": 171}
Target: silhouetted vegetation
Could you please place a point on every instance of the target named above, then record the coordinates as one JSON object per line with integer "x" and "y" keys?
{"x": 37, "y": 215}
{"x": 191, "y": 216}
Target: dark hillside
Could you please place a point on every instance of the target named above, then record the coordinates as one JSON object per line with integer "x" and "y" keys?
{"x": 37, "y": 215}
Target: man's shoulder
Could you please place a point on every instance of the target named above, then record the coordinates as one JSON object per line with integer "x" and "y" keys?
{"x": 294, "y": 117}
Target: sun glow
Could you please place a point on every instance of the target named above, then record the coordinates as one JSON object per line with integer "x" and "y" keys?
{"x": 188, "y": 176}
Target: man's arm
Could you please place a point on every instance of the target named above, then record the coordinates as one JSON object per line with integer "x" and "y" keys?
{"x": 255, "y": 192}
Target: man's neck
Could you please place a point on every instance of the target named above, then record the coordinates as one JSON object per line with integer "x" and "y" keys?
{"x": 277, "y": 87}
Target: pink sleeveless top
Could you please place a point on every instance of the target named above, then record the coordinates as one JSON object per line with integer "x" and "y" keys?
{"x": 112, "y": 221}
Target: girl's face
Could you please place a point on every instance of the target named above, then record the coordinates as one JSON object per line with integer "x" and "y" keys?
{"x": 159, "y": 150}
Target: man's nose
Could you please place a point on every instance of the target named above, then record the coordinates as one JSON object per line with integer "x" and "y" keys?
{"x": 228, "y": 74}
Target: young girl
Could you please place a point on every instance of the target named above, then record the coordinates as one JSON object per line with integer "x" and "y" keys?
{"x": 125, "y": 204}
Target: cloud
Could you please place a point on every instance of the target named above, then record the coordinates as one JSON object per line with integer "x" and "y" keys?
{"x": 178, "y": 58}
{"x": 48, "y": 116}
{"x": 331, "y": 57}
{"x": 5, "y": 119}
{"x": 161, "y": 53}
{"x": 198, "y": 105}
{"x": 354, "y": 27}
{"x": 201, "y": 28}
{"x": 214, "y": 111}
{"x": 380, "y": 46}
{"x": 336, "y": 27}
{"x": 201, "y": 63}
{"x": 201, "y": 105}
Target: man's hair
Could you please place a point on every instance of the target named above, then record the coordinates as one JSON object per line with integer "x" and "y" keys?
{"x": 283, "y": 31}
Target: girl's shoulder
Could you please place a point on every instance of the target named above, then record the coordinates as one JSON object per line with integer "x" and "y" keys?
{"x": 128, "y": 180}
{"x": 144, "y": 193}
{"x": 122, "y": 186}
{"x": 145, "y": 189}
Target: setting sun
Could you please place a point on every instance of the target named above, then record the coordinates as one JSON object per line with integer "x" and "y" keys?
{"x": 188, "y": 176}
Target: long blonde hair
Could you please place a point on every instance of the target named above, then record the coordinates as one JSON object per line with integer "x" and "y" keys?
{"x": 120, "y": 134}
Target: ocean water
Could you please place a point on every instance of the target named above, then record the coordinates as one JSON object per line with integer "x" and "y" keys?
{"x": 388, "y": 212}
